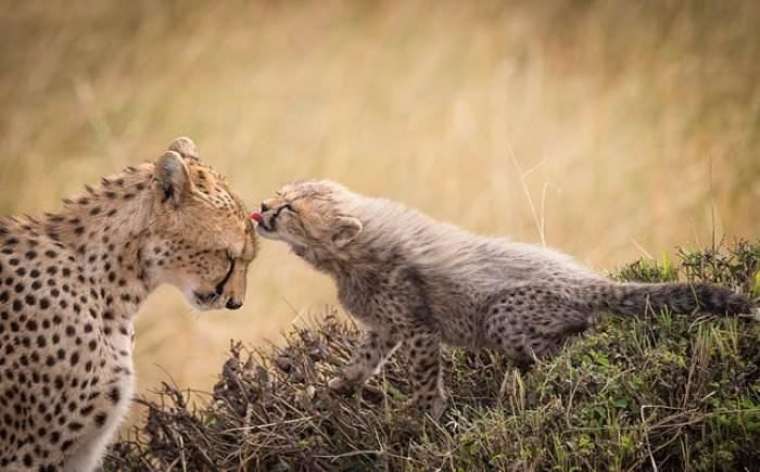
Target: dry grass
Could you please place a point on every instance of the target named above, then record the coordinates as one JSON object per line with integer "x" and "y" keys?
{"x": 614, "y": 127}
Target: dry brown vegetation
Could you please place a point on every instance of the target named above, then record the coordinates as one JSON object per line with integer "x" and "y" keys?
{"x": 604, "y": 128}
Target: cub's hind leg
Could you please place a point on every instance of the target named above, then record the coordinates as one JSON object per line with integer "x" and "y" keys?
{"x": 528, "y": 322}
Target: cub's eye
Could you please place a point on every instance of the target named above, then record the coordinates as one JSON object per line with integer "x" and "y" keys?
{"x": 285, "y": 207}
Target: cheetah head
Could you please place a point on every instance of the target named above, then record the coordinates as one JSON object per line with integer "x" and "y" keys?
{"x": 201, "y": 239}
{"x": 312, "y": 218}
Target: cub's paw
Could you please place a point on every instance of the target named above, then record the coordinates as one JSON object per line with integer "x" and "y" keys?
{"x": 349, "y": 379}
{"x": 432, "y": 404}
{"x": 341, "y": 385}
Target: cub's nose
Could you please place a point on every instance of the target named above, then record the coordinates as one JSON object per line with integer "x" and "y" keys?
{"x": 233, "y": 304}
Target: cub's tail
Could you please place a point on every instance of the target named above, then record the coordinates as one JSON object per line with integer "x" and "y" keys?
{"x": 634, "y": 298}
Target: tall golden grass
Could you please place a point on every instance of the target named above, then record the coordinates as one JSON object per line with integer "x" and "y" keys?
{"x": 606, "y": 129}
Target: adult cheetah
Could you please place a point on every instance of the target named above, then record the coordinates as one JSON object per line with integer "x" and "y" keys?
{"x": 72, "y": 282}
{"x": 416, "y": 283}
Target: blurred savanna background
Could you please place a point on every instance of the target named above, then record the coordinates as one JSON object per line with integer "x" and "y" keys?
{"x": 609, "y": 129}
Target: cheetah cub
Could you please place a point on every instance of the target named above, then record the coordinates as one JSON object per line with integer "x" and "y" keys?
{"x": 72, "y": 282}
{"x": 416, "y": 283}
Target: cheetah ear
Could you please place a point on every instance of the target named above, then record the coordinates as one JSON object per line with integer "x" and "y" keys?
{"x": 347, "y": 228}
{"x": 173, "y": 178}
{"x": 185, "y": 147}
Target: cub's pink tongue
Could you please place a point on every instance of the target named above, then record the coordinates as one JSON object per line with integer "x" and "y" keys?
{"x": 256, "y": 216}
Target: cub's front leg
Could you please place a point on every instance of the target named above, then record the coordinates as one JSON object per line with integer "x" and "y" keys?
{"x": 375, "y": 347}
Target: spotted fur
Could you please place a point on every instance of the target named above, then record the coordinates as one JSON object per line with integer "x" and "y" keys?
{"x": 416, "y": 283}
{"x": 71, "y": 284}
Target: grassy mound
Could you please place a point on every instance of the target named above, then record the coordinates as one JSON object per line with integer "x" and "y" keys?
{"x": 681, "y": 392}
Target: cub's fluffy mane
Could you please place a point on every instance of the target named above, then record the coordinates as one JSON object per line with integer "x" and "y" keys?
{"x": 438, "y": 247}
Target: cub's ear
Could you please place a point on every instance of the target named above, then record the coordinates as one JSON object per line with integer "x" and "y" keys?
{"x": 185, "y": 147}
{"x": 173, "y": 178}
{"x": 347, "y": 228}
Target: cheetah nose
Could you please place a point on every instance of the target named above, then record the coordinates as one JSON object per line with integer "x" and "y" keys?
{"x": 233, "y": 304}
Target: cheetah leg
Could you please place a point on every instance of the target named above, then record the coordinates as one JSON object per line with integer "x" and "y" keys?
{"x": 87, "y": 456}
{"x": 374, "y": 349}
{"x": 91, "y": 449}
{"x": 529, "y": 323}
{"x": 423, "y": 350}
